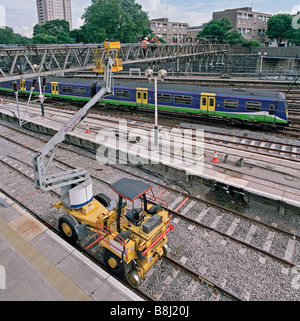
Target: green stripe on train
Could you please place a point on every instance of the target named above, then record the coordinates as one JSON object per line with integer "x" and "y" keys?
{"x": 242, "y": 116}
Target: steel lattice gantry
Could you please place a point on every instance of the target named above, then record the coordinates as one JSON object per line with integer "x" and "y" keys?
{"x": 20, "y": 62}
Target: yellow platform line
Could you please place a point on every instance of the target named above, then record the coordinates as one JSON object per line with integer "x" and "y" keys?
{"x": 56, "y": 279}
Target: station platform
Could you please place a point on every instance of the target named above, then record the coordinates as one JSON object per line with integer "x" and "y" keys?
{"x": 37, "y": 265}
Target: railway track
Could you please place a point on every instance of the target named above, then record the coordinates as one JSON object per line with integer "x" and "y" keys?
{"x": 14, "y": 164}
{"x": 199, "y": 208}
{"x": 282, "y": 150}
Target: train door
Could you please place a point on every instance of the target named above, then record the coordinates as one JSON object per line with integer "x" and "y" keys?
{"x": 207, "y": 103}
{"x": 54, "y": 88}
{"x": 272, "y": 112}
{"x": 142, "y": 96}
{"x": 22, "y": 85}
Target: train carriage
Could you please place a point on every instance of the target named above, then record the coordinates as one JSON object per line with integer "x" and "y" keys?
{"x": 72, "y": 89}
{"x": 57, "y": 87}
{"x": 238, "y": 105}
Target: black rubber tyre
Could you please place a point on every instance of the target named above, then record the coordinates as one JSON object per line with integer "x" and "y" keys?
{"x": 66, "y": 225}
{"x": 103, "y": 199}
{"x": 115, "y": 264}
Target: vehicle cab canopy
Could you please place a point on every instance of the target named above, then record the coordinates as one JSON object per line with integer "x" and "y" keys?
{"x": 130, "y": 189}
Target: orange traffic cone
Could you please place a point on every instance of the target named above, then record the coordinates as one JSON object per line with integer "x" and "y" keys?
{"x": 87, "y": 128}
{"x": 1, "y": 101}
{"x": 215, "y": 159}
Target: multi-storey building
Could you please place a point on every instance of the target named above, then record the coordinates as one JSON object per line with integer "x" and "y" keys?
{"x": 192, "y": 32}
{"x": 252, "y": 25}
{"x": 169, "y": 31}
{"x": 54, "y": 9}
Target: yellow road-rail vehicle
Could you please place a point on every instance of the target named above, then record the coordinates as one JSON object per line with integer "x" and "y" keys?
{"x": 133, "y": 238}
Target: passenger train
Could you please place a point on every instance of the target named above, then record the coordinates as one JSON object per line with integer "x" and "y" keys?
{"x": 240, "y": 106}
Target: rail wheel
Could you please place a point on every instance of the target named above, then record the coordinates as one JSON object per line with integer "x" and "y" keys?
{"x": 133, "y": 279}
{"x": 165, "y": 250}
{"x": 66, "y": 225}
{"x": 115, "y": 264}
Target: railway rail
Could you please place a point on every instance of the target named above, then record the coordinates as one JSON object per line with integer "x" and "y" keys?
{"x": 217, "y": 214}
{"x": 265, "y": 147}
{"x": 25, "y": 173}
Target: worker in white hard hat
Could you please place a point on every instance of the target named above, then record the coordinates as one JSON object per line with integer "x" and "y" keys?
{"x": 145, "y": 42}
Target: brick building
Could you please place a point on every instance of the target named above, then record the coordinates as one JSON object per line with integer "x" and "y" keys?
{"x": 252, "y": 25}
{"x": 169, "y": 31}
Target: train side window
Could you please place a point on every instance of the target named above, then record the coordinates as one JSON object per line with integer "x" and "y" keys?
{"x": 67, "y": 89}
{"x": 145, "y": 95}
{"x": 164, "y": 98}
{"x": 211, "y": 102}
{"x": 79, "y": 90}
{"x": 179, "y": 99}
{"x": 203, "y": 101}
{"x": 253, "y": 106}
{"x": 139, "y": 95}
{"x": 230, "y": 103}
{"x": 123, "y": 93}
{"x": 271, "y": 109}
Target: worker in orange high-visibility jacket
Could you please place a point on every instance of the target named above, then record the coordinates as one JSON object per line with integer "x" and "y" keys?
{"x": 154, "y": 40}
{"x": 144, "y": 45}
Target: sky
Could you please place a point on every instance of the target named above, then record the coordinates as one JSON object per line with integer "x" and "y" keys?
{"x": 21, "y": 15}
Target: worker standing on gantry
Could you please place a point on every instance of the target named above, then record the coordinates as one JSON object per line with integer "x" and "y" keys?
{"x": 155, "y": 40}
{"x": 145, "y": 43}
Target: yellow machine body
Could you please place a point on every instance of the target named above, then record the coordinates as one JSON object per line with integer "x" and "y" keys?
{"x": 112, "y": 48}
{"x": 139, "y": 249}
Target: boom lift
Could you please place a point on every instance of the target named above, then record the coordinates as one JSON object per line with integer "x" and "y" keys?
{"x": 132, "y": 240}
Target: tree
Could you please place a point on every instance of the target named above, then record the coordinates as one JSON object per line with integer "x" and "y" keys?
{"x": 219, "y": 29}
{"x": 80, "y": 35}
{"x": 115, "y": 19}
{"x": 43, "y": 38}
{"x": 293, "y": 35}
{"x": 36, "y": 29}
{"x": 8, "y": 37}
{"x": 53, "y": 31}
{"x": 279, "y": 27}
{"x": 54, "y": 27}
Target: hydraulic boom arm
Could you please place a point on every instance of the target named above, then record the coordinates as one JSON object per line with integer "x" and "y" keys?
{"x": 46, "y": 182}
